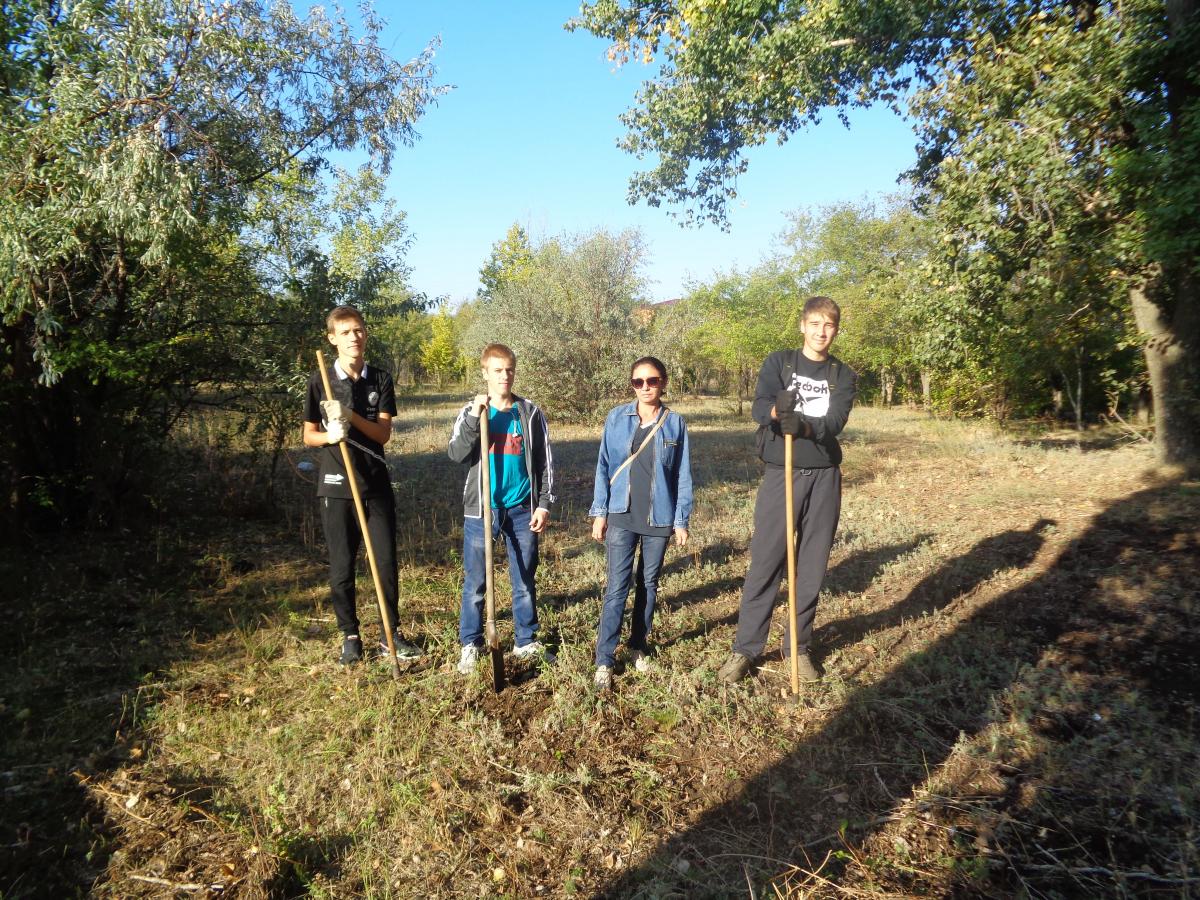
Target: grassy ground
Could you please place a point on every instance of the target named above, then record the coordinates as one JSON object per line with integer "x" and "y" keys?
{"x": 1009, "y": 703}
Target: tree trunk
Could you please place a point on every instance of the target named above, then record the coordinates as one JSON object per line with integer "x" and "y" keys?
{"x": 1079, "y": 391}
{"x": 887, "y": 381}
{"x": 1172, "y": 351}
{"x": 926, "y": 389}
{"x": 1165, "y": 307}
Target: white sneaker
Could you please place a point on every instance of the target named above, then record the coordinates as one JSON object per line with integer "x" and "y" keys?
{"x": 466, "y": 662}
{"x": 534, "y": 648}
{"x": 602, "y": 681}
{"x": 641, "y": 661}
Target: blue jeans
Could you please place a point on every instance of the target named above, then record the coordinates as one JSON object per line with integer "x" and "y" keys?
{"x": 522, "y": 566}
{"x": 621, "y": 545}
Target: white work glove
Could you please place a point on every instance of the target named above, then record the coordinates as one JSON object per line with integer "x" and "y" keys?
{"x": 335, "y": 412}
{"x": 335, "y": 433}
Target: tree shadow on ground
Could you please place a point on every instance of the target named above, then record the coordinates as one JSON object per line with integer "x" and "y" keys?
{"x": 117, "y": 612}
{"x": 891, "y": 735}
{"x": 854, "y": 573}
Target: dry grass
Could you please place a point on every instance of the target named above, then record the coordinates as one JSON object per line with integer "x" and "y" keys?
{"x": 1009, "y": 702}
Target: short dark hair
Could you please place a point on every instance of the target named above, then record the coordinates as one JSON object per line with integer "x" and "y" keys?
{"x": 501, "y": 350}
{"x": 650, "y": 361}
{"x": 338, "y": 313}
{"x": 823, "y": 305}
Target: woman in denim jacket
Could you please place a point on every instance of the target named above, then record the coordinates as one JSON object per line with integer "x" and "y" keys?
{"x": 643, "y": 494}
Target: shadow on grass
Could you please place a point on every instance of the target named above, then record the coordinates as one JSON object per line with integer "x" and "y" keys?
{"x": 890, "y": 736}
{"x": 717, "y": 554}
{"x": 708, "y": 626}
{"x": 854, "y": 574}
{"x": 81, "y": 662}
{"x": 956, "y": 578}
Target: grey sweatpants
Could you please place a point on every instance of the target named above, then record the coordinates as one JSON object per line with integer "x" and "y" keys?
{"x": 818, "y": 503}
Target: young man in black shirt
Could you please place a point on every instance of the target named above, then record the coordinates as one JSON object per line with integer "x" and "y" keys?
{"x": 361, "y": 415}
{"x": 806, "y": 393}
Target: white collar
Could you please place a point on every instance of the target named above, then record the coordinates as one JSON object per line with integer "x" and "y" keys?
{"x": 343, "y": 374}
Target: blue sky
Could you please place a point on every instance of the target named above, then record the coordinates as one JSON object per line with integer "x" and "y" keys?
{"x": 529, "y": 135}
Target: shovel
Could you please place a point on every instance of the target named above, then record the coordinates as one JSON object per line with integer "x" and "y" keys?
{"x": 362, "y": 527}
{"x": 790, "y": 504}
{"x": 485, "y": 511}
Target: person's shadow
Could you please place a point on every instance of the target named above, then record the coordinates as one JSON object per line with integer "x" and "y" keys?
{"x": 957, "y": 578}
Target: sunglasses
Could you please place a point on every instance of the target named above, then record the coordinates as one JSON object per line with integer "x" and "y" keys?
{"x": 652, "y": 381}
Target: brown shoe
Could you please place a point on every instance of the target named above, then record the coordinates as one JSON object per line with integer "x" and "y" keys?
{"x": 735, "y": 668}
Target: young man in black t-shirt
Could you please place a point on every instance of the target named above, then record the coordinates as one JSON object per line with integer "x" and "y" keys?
{"x": 808, "y": 394}
{"x": 361, "y": 415}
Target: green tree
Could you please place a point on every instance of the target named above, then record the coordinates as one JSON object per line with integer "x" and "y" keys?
{"x": 1058, "y": 130}
{"x": 511, "y": 260}
{"x": 134, "y": 138}
{"x": 440, "y": 354}
{"x": 570, "y": 321}
{"x": 396, "y": 343}
{"x": 743, "y": 318}
{"x": 870, "y": 259}
{"x": 674, "y": 337}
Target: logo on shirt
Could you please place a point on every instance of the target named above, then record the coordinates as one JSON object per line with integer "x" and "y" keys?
{"x": 373, "y": 398}
{"x": 334, "y": 478}
{"x": 506, "y": 444}
{"x": 813, "y": 394}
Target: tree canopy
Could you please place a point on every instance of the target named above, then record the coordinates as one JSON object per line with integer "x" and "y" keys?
{"x": 1058, "y": 142}
{"x": 569, "y": 317}
{"x": 143, "y": 146}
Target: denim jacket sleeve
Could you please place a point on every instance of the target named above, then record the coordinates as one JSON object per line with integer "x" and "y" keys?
{"x": 683, "y": 497}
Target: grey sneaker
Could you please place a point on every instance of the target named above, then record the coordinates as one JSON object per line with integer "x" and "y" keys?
{"x": 404, "y": 650}
{"x": 351, "y": 650}
{"x": 535, "y": 649}
{"x": 468, "y": 660}
{"x": 641, "y": 661}
{"x": 603, "y": 679}
{"x": 735, "y": 668}
{"x": 804, "y": 664}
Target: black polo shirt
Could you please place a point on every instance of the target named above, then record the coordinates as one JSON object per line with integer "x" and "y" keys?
{"x": 370, "y": 395}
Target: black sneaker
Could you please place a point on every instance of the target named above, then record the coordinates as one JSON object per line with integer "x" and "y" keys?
{"x": 351, "y": 650}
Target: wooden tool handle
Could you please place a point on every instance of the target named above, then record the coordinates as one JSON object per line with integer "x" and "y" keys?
{"x": 789, "y": 493}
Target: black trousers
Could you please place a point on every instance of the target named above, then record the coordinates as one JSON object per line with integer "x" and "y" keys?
{"x": 818, "y": 505}
{"x": 343, "y": 537}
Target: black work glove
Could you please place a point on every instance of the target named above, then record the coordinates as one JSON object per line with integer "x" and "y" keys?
{"x": 790, "y": 422}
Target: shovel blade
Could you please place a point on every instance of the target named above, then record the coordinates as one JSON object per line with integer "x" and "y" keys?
{"x": 497, "y": 669}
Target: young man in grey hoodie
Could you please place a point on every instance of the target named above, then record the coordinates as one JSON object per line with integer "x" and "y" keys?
{"x": 521, "y": 466}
